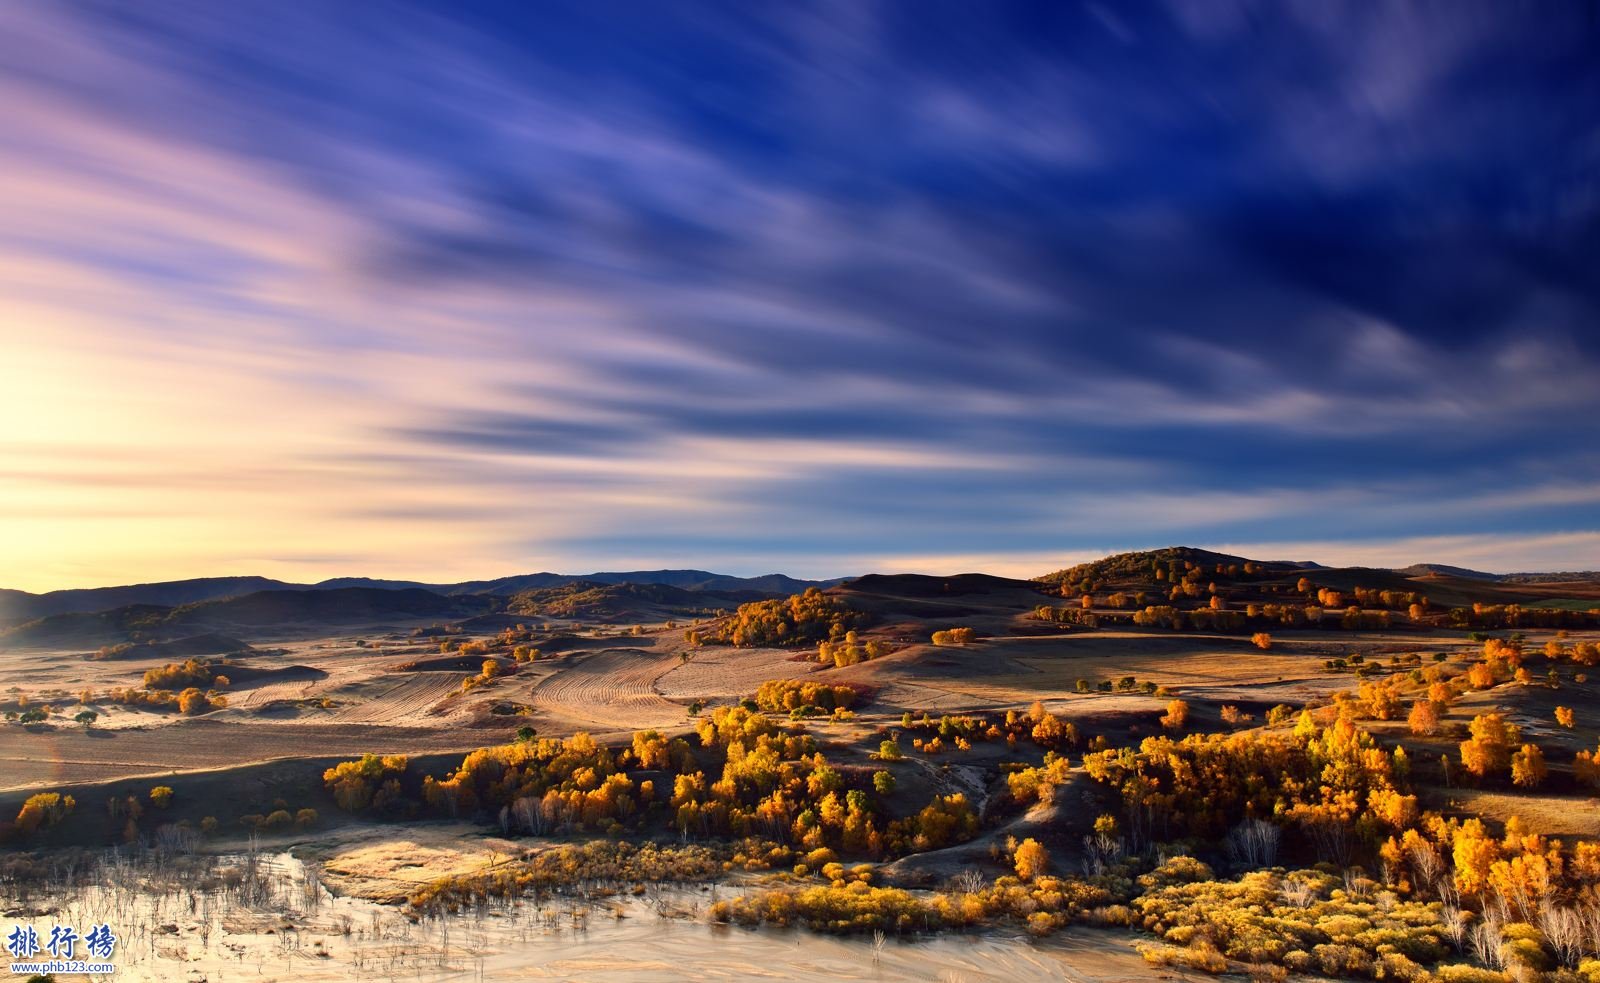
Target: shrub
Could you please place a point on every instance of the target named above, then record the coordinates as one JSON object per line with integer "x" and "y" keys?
{"x": 176, "y": 675}
{"x": 192, "y": 701}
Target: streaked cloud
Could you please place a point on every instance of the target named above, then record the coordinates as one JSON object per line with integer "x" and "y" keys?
{"x": 427, "y": 292}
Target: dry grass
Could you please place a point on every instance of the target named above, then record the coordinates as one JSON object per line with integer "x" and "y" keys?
{"x": 1563, "y": 816}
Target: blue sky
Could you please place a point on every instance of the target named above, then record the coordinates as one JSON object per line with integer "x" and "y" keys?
{"x": 440, "y": 290}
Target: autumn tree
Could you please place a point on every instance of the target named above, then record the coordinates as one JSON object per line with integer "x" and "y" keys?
{"x": 1482, "y": 675}
{"x": 1424, "y": 718}
{"x": 1527, "y": 767}
{"x": 1586, "y": 768}
{"x": 1564, "y": 717}
{"x": 1177, "y": 715}
{"x": 650, "y": 749}
{"x": 43, "y": 809}
{"x": 357, "y": 784}
{"x": 1031, "y": 859}
{"x": 1380, "y": 699}
{"x": 1488, "y": 750}
{"x": 1262, "y": 641}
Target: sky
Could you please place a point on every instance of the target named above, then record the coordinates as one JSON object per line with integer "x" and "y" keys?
{"x": 457, "y": 290}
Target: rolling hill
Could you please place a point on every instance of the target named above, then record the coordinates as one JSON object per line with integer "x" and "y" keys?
{"x": 17, "y": 606}
{"x": 340, "y": 606}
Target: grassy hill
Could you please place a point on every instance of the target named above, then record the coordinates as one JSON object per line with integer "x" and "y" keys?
{"x": 624, "y": 602}
{"x": 17, "y": 607}
{"x": 146, "y": 622}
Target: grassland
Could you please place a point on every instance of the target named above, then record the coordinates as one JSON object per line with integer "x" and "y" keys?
{"x": 300, "y": 698}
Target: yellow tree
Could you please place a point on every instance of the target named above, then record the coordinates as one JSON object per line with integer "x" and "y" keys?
{"x": 1474, "y": 852}
{"x": 1032, "y": 859}
{"x": 1564, "y": 717}
{"x": 1489, "y": 748}
{"x": 1176, "y": 716}
{"x": 1586, "y": 768}
{"x": 1482, "y": 675}
{"x": 1527, "y": 766}
{"x": 1424, "y": 718}
{"x": 1381, "y": 701}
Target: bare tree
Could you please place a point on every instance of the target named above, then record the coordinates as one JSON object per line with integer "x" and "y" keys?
{"x": 1100, "y": 850}
{"x": 529, "y": 814}
{"x": 1454, "y": 922}
{"x": 1254, "y": 843}
{"x": 1485, "y": 939}
{"x": 1590, "y": 915}
{"x": 1425, "y": 863}
{"x": 1563, "y": 929}
{"x": 1297, "y": 893}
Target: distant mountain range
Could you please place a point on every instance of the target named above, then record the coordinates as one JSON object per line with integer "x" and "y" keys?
{"x": 19, "y": 606}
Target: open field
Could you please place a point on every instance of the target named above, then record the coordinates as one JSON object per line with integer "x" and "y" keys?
{"x": 51, "y": 757}
{"x": 977, "y": 703}
{"x": 608, "y": 690}
{"x": 353, "y": 690}
{"x": 725, "y": 674}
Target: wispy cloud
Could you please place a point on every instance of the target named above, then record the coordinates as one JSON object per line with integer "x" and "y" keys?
{"x": 469, "y": 292}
